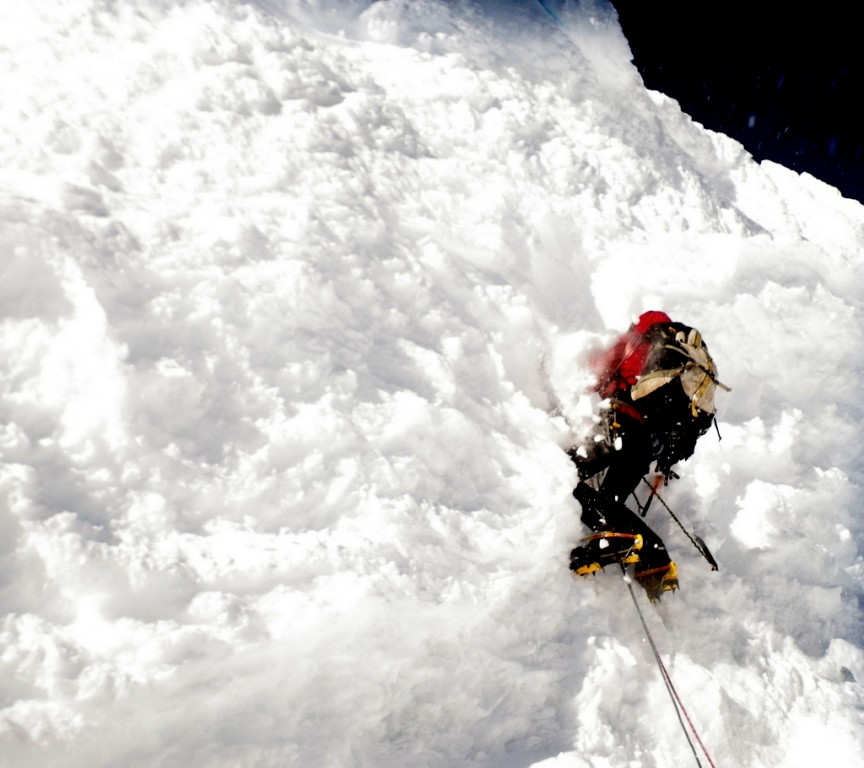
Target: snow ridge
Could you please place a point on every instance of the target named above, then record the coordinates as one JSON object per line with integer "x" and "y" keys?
{"x": 295, "y": 305}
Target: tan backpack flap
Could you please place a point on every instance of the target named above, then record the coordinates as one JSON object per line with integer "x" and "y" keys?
{"x": 698, "y": 375}
{"x": 651, "y": 382}
{"x": 699, "y": 387}
{"x": 696, "y": 383}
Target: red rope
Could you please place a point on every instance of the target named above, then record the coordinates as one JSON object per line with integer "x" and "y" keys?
{"x": 686, "y": 715}
{"x": 670, "y": 687}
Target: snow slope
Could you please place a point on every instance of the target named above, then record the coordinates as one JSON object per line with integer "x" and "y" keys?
{"x": 295, "y": 303}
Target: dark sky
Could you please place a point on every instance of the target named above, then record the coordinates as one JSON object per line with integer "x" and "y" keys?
{"x": 787, "y": 81}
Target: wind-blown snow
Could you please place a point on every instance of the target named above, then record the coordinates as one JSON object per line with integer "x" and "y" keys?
{"x": 295, "y": 306}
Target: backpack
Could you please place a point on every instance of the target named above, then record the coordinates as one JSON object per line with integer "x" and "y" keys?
{"x": 675, "y": 391}
{"x": 678, "y": 352}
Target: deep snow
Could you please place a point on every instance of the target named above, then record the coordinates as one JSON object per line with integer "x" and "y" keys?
{"x": 296, "y": 299}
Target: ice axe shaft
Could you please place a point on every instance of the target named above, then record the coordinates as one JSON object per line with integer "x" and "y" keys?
{"x": 697, "y": 542}
{"x": 654, "y": 487}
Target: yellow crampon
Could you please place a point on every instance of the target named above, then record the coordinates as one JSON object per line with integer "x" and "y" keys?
{"x": 629, "y": 555}
{"x": 656, "y": 581}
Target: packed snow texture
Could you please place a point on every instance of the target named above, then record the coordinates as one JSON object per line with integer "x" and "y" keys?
{"x": 296, "y": 305}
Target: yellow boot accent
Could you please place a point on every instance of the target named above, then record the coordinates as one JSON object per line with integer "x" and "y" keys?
{"x": 585, "y": 570}
{"x": 633, "y": 555}
{"x": 656, "y": 581}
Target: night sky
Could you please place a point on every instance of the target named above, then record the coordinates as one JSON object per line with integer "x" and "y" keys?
{"x": 786, "y": 81}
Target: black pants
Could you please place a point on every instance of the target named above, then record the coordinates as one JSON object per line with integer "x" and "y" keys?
{"x": 624, "y": 467}
{"x": 604, "y": 510}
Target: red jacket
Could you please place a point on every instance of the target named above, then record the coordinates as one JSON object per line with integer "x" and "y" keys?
{"x": 618, "y": 368}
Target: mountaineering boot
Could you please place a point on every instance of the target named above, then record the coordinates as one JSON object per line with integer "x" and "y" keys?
{"x": 605, "y": 548}
{"x": 656, "y": 581}
{"x": 654, "y": 570}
